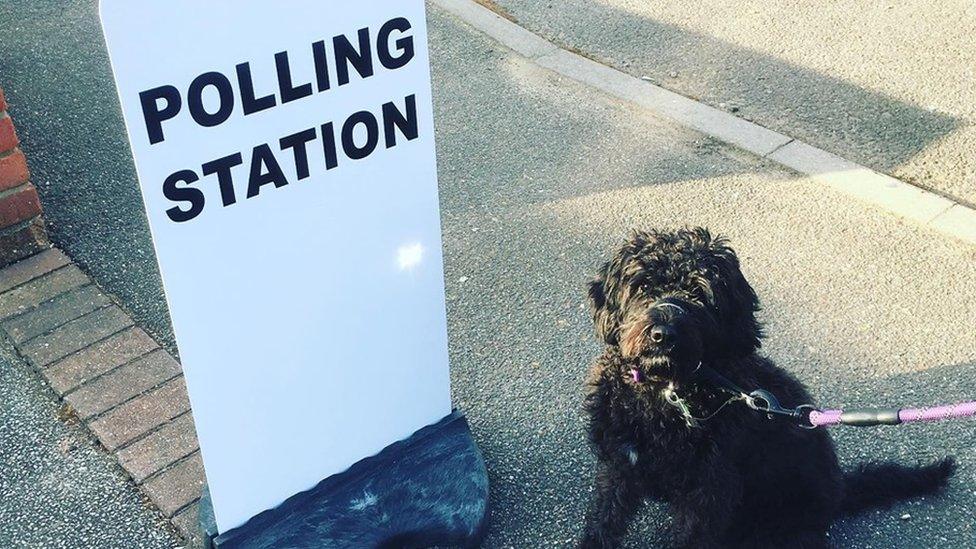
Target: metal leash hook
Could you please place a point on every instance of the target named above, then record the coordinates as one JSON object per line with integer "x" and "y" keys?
{"x": 763, "y": 401}
{"x": 672, "y": 398}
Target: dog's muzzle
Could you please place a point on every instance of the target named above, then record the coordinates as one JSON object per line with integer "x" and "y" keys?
{"x": 662, "y": 332}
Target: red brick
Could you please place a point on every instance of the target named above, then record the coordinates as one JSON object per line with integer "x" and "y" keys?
{"x": 3, "y": 101}
{"x": 178, "y": 486}
{"x": 122, "y": 384}
{"x": 8, "y": 136}
{"x": 170, "y": 443}
{"x": 41, "y": 289}
{"x": 21, "y": 242}
{"x": 19, "y": 206}
{"x": 13, "y": 170}
{"x": 141, "y": 415}
{"x": 31, "y": 268}
{"x": 49, "y": 316}
{"x": 187, "y": 522}
{"x": 67, "y": 374}
{"x": 75, "y": 336}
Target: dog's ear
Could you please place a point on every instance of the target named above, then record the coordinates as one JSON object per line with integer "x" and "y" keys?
{"x": 736, "y": 300}
{"x": 602, "y": 304}
{"x": 604, "y": 295}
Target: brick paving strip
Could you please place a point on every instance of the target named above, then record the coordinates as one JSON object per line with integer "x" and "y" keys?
{"x": 118, "y": 381}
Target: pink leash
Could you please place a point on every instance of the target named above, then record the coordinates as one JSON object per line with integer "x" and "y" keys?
{"x": 890, "y": 416}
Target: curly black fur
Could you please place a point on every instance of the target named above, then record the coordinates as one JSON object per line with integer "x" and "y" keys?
{"x": 665, "y": 304}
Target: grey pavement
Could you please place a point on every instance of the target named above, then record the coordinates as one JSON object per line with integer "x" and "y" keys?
{"x": 540, "y": 178}
{"x": 885, "y": 84}
{"x": 57, "y": 490}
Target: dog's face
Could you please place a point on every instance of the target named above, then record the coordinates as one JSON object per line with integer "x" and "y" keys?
{"x": 670, "y": 300}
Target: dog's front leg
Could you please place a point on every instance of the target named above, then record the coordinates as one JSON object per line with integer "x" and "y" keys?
{"x": 613, "y": 506}
{"x": 704, "y": 508}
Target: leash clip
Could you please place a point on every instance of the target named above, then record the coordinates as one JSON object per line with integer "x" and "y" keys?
{"x": 765, "y": 402}
{"x": 672, "y": 398}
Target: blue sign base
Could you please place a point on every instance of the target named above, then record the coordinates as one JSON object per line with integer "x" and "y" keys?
{"x": 430, "y": 489}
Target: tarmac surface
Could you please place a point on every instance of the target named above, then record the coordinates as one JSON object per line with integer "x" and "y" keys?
{"x": 885, "y": 84}
{"x": 540, "y": 179}
{"x": 57, "y": 490}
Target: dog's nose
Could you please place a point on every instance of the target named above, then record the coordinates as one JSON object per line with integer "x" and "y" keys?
{"x": 660, "y": 335}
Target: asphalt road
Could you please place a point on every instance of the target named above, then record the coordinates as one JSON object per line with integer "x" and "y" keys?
{"x": 540, "y": 179}
{"x": 56, "y": 489}
{"x": 886, "y": 84}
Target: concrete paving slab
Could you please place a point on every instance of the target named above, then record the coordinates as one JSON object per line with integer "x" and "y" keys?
{"x": 187, "y": 522}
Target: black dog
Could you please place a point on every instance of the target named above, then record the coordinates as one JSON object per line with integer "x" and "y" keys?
{"x": 669, "y": 305}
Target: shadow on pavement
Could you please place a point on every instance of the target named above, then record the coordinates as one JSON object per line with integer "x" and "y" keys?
{"x": 939, "y": 521}
{"x": 856, "y": 123}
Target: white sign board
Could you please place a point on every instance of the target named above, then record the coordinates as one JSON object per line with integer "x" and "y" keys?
{"x": 285, "y": 152}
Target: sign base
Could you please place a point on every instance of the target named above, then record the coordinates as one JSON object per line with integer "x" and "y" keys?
{"x": 430, "y": 489}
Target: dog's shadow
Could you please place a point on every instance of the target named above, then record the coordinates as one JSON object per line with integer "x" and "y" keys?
{"x": 916, "y": 522}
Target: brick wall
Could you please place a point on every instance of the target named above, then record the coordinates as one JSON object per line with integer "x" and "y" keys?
{"x": 22, "y": 232}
